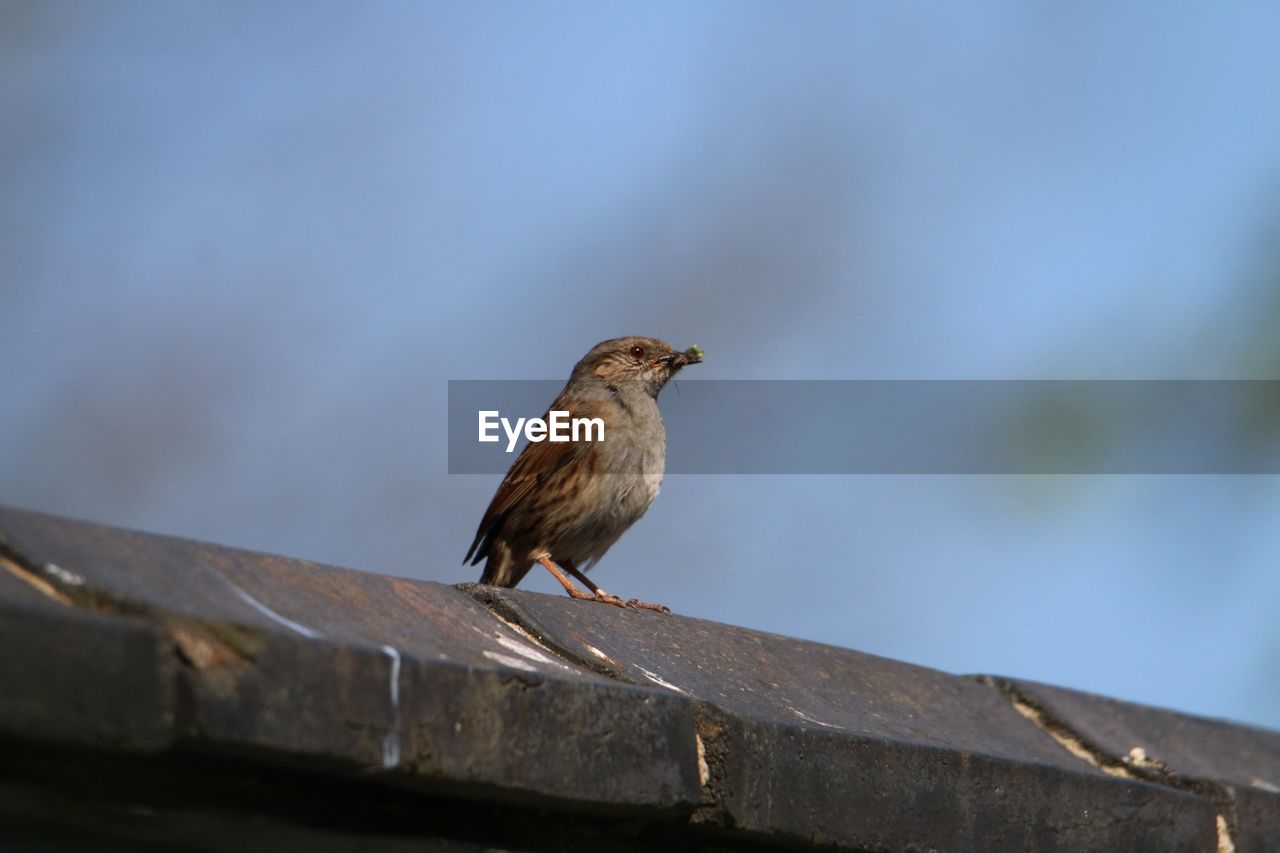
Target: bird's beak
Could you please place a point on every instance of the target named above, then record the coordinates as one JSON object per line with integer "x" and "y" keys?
{"x": 677, "y": 360}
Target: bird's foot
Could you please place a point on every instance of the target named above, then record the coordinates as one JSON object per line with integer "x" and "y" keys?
{"x": 605, "y": 598}
{"x": 600, "y": 596}
{"x": 644, "y": 605}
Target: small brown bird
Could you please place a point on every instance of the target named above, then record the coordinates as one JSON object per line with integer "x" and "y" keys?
{"x": 564, "y": 504}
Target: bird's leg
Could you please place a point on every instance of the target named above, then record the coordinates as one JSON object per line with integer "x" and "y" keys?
{"x": 596, "y": 589}
{"x": 602, "y": 595}
{"x": 596, "y": 594}
{"x": 573, "y": 591}
{"x": 581, "y": 576}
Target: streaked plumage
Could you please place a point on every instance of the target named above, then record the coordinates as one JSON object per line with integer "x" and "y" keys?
{"x": 571, "y": 501}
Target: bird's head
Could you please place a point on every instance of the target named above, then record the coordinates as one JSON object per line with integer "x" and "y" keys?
{"x": 627, "y": 364}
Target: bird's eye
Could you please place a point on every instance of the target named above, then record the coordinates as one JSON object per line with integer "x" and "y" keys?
{"x": 637, "y": 351}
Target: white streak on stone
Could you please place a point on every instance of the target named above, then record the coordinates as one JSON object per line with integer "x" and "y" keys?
{"x": 660, "y": 681}
{"x": 1264, "y": 785}
{"x": 266, "y": 611}
{"x": 1225, "y": 843}
{"x": 508, "y": 660}
{"x": 62, "y": 575}
{"x": 523, "y": 650}
{"x": 391, "y": 743}
{"x": 802, "y": 715}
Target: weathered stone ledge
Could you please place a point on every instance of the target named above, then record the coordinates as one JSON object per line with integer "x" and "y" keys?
{"x": 160, "y": 691}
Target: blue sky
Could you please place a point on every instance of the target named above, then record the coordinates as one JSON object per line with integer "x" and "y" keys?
{"x": 245, "y": 247}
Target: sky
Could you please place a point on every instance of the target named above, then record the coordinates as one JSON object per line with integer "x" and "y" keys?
{"x": 244, "y": 248}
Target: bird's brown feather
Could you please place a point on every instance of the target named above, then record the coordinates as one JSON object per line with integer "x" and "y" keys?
{"x": 568, "y": 502}
{"x": 537, "y": 464}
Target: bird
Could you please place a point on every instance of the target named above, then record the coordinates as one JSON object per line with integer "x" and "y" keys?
{"x": 564, "y": 504}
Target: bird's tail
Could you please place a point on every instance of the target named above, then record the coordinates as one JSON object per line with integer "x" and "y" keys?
{"x": 501, "y": 569}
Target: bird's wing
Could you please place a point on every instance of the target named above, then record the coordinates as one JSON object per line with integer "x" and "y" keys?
{"x": 533, "y": 468}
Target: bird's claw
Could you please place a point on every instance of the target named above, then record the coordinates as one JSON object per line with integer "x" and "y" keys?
{"x": 635, "y": 603}
{"x": 606, "y": 598}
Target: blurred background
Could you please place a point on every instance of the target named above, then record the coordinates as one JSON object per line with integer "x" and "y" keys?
{"x": 244, "y": 246}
